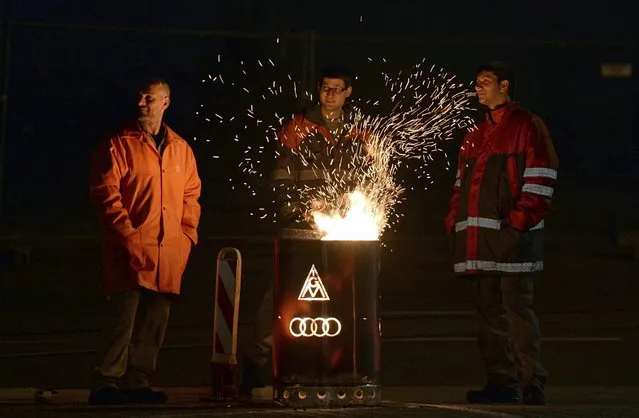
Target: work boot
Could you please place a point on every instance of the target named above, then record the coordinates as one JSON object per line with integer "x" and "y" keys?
{"x": 108, "y": 395}
{"x": 146, "y": 395}
{"x": 494, "y": 394}
{"x": 534, "y": 395}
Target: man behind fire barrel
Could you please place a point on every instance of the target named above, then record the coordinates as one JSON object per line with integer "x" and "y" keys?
{"x": 145, "y": 187}
{"x": 505, "y": 180}
{"x": 317, "y": 140}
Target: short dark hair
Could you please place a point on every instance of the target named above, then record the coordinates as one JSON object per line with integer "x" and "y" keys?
{"x": 335, "y": 72}
{"x": 155, "y": 81}
{"x": 503, "y": 71}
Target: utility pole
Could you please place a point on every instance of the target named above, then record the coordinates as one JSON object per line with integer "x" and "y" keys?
{"x": 308, "y": 66}
{"x": 310, "y": 48}
{"x": 4, "y": 100}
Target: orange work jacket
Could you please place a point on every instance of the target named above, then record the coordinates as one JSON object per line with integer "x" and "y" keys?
{"x": 148, "y": 209}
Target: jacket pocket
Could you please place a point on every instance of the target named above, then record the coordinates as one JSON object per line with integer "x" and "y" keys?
{"x": 138, "y": 258}
{"x": 502, "y": 245}
{"x": 509, "y": 244}
{"x": 185, "y": 251}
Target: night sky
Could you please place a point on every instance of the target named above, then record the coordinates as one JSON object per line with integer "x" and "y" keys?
{"x": 69, "y": 87}
{"x": 550, "y": 19}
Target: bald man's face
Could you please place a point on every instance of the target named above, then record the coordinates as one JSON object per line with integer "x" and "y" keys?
{"x": 152, "y": 102}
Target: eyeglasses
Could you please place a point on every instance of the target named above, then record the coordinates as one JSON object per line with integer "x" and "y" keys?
{"x": 334, "y": 90}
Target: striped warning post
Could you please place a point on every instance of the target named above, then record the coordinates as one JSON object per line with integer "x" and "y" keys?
{"x": 228, "y": 281}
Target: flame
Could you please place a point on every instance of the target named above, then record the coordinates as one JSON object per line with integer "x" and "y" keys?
{"x": 363, "y": 220}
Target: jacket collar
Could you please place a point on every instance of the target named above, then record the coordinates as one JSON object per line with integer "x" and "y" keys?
{"x": 495, "y": 116}
{"x": 133, "y": 129}
{"x": 314, "y": 114}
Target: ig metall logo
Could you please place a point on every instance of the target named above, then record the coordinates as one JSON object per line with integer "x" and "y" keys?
{"x": 314, "y": 290}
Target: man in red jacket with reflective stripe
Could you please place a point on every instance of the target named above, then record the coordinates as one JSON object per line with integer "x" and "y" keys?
{"x": 505, "y": 180}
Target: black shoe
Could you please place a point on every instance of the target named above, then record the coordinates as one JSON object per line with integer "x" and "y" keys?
{"x": 494, "y": 394}
{"x": 534, "y": 395}
{"x": 108, "y": 395}
{"x": 146, "y": 395}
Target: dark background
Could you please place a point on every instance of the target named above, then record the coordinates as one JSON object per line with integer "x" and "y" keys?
{"x": 73, "y": 68}
{"x": 72, "y": 74}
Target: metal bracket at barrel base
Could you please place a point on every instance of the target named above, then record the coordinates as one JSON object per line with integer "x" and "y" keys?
{"x": 296, "y": 396}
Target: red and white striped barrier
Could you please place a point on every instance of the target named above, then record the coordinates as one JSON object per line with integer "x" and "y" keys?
{"x": 228, "y": 281}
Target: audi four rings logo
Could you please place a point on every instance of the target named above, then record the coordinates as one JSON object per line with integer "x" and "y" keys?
{"x": 315, "y": 327}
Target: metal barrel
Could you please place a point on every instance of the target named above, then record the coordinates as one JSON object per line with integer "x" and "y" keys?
{"x": 326, "y": 331}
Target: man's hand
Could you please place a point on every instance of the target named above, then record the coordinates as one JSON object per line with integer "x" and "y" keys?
{"x": 138, "y": 259}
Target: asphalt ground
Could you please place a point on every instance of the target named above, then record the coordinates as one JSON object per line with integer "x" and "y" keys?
{"x": 51, "y": 311}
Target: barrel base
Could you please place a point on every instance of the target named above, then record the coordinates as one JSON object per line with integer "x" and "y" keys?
{"x": 298, "y": 396}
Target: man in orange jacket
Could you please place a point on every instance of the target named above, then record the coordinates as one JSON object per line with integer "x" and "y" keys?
{"x": 145, "y": 187}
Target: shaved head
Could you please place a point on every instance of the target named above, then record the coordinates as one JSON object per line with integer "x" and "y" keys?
{"x": 161, "y": 83}
{"x": 153, "y": 99}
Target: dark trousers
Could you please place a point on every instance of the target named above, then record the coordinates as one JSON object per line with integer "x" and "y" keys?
{"x": 131, "y": 339}
{"x": 259, "y": 350}
{"x": 508, "y": 330}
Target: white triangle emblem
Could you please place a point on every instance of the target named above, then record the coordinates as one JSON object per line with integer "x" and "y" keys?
{"x": 313, "y": 288}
